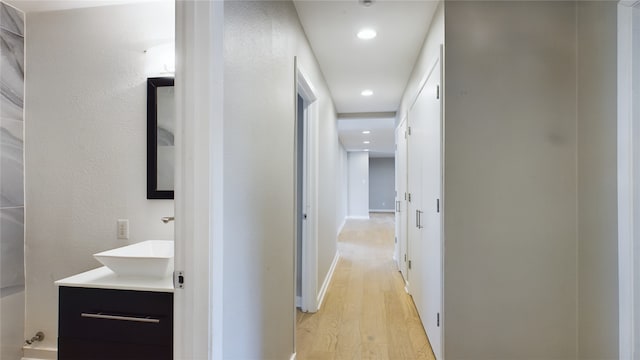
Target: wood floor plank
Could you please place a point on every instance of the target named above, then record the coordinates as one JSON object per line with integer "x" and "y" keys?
{"x": 366, "y": 312}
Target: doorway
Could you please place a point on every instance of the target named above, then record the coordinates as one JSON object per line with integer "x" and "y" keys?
{"x": 301, "y": 210}
{"x": 306, "y": 201}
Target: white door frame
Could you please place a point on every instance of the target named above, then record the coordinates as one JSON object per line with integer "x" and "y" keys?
{"x": 309, "y": 301}
{"x": 199, "y": 175}
{"x": 628, "y": 177}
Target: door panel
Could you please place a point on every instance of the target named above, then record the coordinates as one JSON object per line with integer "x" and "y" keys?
{"x": 425, "y": 186}
{"x": 415, "y": 146}
{"x": 401, "y": 203}
{"x": 431, "y": 233}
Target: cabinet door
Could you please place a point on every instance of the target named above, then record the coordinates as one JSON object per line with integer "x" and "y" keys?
{"x": 114, "y": 322}
{"x": 84, "y": 349}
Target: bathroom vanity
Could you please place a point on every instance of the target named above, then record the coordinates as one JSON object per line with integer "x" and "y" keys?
{"x": 106, "y": 316}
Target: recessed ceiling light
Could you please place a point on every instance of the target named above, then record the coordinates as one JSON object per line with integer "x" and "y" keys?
{"x": 366, "y": 142}
{"x": 367, "y": 34}
{"x": 366, "y": 92}
{"x": 366, "y": 132}
{"x": 365, "y": 150}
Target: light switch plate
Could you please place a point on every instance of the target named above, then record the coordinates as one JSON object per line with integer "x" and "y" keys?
{"x": 123, "y": 229}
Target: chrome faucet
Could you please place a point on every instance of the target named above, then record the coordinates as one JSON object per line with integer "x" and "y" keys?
{"x": 166, "y": 219}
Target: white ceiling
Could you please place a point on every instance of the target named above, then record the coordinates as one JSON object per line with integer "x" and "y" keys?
{"x": 351, "y": 65}
{"x": 381, "y": 136}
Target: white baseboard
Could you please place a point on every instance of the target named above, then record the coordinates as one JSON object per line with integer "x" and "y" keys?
{"x": 31, "y": 353}
{"x": 293, "y": 356}
{"x": 327, "y": 280}
{"x": 344, "y": 221}
{"x": 382, "y": 210}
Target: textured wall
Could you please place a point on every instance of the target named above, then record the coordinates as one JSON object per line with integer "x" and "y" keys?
{"x": 11, "y": 182}
{"x": 261, "y": 40}
{"x": 86, "y": 154}
{"x": 510, "y": 180}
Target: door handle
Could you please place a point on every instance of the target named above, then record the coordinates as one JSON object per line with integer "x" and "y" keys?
{"x": 419, "y": 219}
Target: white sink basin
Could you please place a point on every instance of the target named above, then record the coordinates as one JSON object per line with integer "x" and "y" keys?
{"x": 151, "y": 258}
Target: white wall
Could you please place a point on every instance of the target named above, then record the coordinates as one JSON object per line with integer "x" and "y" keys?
{"x": 510, "y": 181}
{"x": 358, "y": 163}
{"x": 382, "y": 184}
{"x": 261, "y": 40}
{"x": 86, "y": 143}
{"x": 597, "y": 190}
{"x": 343, "y": 193}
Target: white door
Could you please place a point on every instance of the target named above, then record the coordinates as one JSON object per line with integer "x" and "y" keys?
{"x": 415, "y": 150}
{"x": 425, "y": 225}
{"x": 432, "y": 207}
{"x": 401, "y": 193}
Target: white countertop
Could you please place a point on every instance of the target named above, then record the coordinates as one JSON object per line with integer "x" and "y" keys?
{"x": 103, "y": 278}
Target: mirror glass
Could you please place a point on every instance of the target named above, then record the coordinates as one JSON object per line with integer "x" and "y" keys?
{"x": 160, "y": 138}
{"x": 165, "y": 131}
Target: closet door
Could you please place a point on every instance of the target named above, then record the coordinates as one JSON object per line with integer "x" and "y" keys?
{"x": 425, "y": 186}
{"x": 401, "y": 202}
{"x": 432, "y": 206}
{"x": 417, "y": 120}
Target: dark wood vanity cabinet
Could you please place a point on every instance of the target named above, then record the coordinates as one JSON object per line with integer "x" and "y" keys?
{"x": 109, "y": 324}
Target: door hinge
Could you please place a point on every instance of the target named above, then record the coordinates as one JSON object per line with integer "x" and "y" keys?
{"x": 409, "y": 197}
{"x": 405, "y": 196}
{"x": 396, "y": 240}
{"x": 438, "y": 320}
{"x": 178, "y": 279}
{"x": 409, "y": 130}
{"x": 438, "y": 92}
{"x": 437, "y": 205}
{"x": 405, "y": 257}
{"x": 409, "y": 264}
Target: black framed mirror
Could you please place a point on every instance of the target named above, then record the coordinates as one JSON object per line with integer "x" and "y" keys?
{"x": 160, "y": 138}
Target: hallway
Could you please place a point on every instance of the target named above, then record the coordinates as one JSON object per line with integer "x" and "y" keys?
{"x": 366, "y": 313}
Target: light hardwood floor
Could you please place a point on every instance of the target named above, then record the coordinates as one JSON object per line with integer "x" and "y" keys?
{"x": 366, "y": 313}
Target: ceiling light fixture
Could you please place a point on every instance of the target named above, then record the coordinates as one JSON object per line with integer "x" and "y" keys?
{"x": 367, "y": 34}
{"x": 366, "y": 92}
{"x": 366, "y": 142}
{"x": 366, "y": 132}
